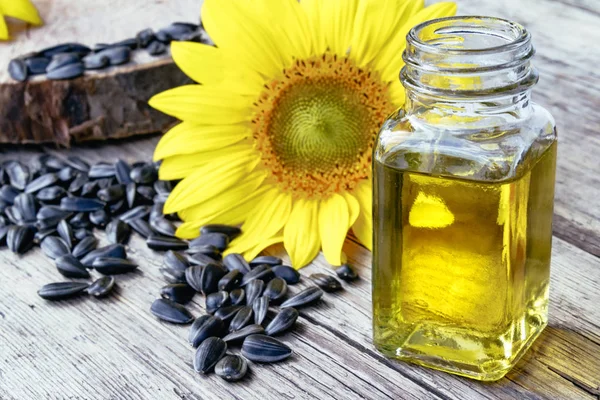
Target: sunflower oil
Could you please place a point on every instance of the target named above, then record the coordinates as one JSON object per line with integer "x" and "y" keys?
{"x": 461, "y": 267}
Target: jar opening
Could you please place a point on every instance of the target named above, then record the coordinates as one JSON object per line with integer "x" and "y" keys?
{"x": 468, "y": 56}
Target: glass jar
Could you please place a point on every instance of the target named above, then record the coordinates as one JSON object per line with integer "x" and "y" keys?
{"x": 463, "y": 201}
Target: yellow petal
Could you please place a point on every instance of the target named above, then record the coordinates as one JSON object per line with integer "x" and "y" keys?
{"x": 288, "y": 23}
{"x": 363, "y": 227}
{"x": 248, "y": 188}
{"x": 301, "y": 233}
{"x": 21, "y": 9}
{"x": 183, "y": 165}
{"x": 331, "y": 23}
{"x": 3, "y": 28}
{"x": 208, "y": 181}
{"x": 375, "y": 23}
{"x": 353, "y": 208}
{"x": 189, "y": 137}
{"x": 210, "y": 65}
{"x": 231, "y": 26}
{"x": 233, "y": 215}
{"x": 203, "y": 104}
{"x": 270, "y": 216}
{"x": 253, "y": 252}
{"x": 333, "y": 227}
{"x": 389, "y": 60}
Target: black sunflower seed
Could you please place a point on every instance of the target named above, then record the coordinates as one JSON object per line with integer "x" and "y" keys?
{"x": 8, "y": 194}
{"x": 62, "y": 290}
{"x": 122, "y": 171}
{"x": 163, "y": 187}
{"x": 135, "y": 213}
{"x": 155, "y": 48}
{"x": 101, "y": 287}
{"x": 163, "y": 226}
{"x": 231, "y": 231}
{"x": 173, "y": 276}
{"x": 141, "y": 227}
{"x": 77, "y": 163}
{"x": 41, "y": 182}
{"x": 177, "y": 31}
{"x": 68, "y": 71}
{"x": 180, "y": 293}
{"x": 282, "y": 321}
{"x": 17, "y": 70}
{"x": 244, "y": 333}
{"x": 113, "y": 265}
{"x": 216, "y": 300}
{"x": 170, "y": 311}
{"x": 71, "y": 267}
{"x": 193, "y": 277}
{"x": 116, "y": 55}
{"x": 112, "y": 251}
{"x": 146, "y": 194}
{"x": 326, "y": 282}
{"x": 230, "y": 280}
{"x": 287, "y": 273}
{"x": 112, "y": 193}
{"x": 157, "y": 209}
{"x": 268, "y": 260}
{"x": 80, "y": 204}
{"x": 203, "y": 328}
{"x": 65, "y": 232}
{"x": 232, "y": 368}
{"x": 237, "y": 296}
{"x": 41, "y": 235}
{"x": 50, "y": 216}
{"x": 241, "y": 319}
{"x": 18, "y": 174}
{"x": 346, "y": 273}
{"x": 144, "y": 175}
{"x": 51, "y": 163}
{"x": 218, "y": 240}
{"x": 36, "y": 65}
{"x": 62, "y": 59}
{"x": 118, "y": 231}
{"x": 82, "y": 233}
{"x": 260, "y": 306}
{"x": 86, "y": 245}
{"x": 192, "y": 37}
{"x": 117, "y": 207}
{"x": 78, "y": 183}
{"x": 14, "y": 215}
{"x": 209, "y": 280}
{"x": 80, "y": 220}
{"x": 66, "y": 175}
{"x": 262, "y": 272}
{"x": 206, "y": 249}
{"x": 227, "y": 313}
{"x": 54, "y": 247}
{"x": 236, "y": 261}
{"x": 158, "y": 242}
{"x": 275, "y": 290}
{"x": 163, "y": 37}
{"x": 89, "y": 189}
{"x": 99, "y": 218}
{"x": 51, "y": 194}
{"x": 131, "y": 195}
{"x": 65, "y": 48}
{"x": 19, "y": 238}
{"x": 305, "y": 297}
{"x": 27, "y": 206}
{"x": 208, "y": 354}
{"x": 264, "y": 349}
{"x": 175, "y": 261}
{"x": 144, "y": 38}
{"x": 102, "y": 170}
{"x": 254, "y": 290}
{"x": 202, "y": 259}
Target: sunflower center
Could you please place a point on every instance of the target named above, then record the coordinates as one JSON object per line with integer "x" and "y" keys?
{"x": 315, "y": 126}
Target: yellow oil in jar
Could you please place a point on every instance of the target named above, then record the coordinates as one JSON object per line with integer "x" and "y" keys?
{"x": 461, "y": 268}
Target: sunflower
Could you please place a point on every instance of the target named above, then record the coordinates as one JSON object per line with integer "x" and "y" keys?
{"x": 20, "y": 9}
{"x": 278, "y": 136}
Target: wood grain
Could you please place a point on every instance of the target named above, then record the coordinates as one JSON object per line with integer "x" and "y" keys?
{"x": 115, "y": 349}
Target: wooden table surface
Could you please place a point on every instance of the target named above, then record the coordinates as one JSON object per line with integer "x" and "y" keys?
{"x": 115, "y": 349}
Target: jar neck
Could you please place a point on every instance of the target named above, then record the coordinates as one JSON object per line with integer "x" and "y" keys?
{"x": 474, "y": 67}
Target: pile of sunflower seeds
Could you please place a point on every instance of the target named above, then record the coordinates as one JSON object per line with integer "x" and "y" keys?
{"x": 71, "y": 60}
{"x": 246, "y": 303}
{"x": 57, "y": 203}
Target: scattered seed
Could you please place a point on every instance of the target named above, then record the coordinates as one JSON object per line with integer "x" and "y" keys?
{"x": 54, "y": 247}
{"x": 118, "y": 231}
{"x": 230, "y": 280}
{"x": 231, "y": 368}
{"x": 155, "y": 48}
{"x": 260, "y": 306}
{"x": 163, "y": 243}
{"x": 203, "y": 328}
{"x": 113, "y": 265}
{"x": 170, "y": 311}
{"x": 180, "y": 293}
{"x": 241, "y": 319}
{"x": 227, "y": 313}
{"x": 244, "y": 333}
{"x": 218, "y": 240}
{"x": 209, "y": 353}
{"x": 216, "y": 300}
{"x": 287, "y": 273}
{"x": 68, "y": 71}
{"x": 80, "y": 204}
{"x": 326, "y": 282}
{"x": 268, "y": 260}
{"x": 254, "y": 290}
{"x": 144, "y": 38}
{"x": 62, "y": 290}
{"x": 112, "y": 251}
{"x": 264, "y": 349}
{"x": 71, "y": 267}
{"x": 262, "y": 272}
{"x": 163, "y": 226}
{"x": 231, "y": 231}
{"x": 19, "y": 238}
{"x": 101, "y": 287}
{"x": 141, "y": 227}
{"x": 41, "y": 182}
{"x": 17, "y": 70}
{"x": 282, "y": 321}
{"x": 237, "y": 296}
{"x": 85, "y": 246}
{"x": 346, "y": 273}
{"x": 36, "y": 65}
